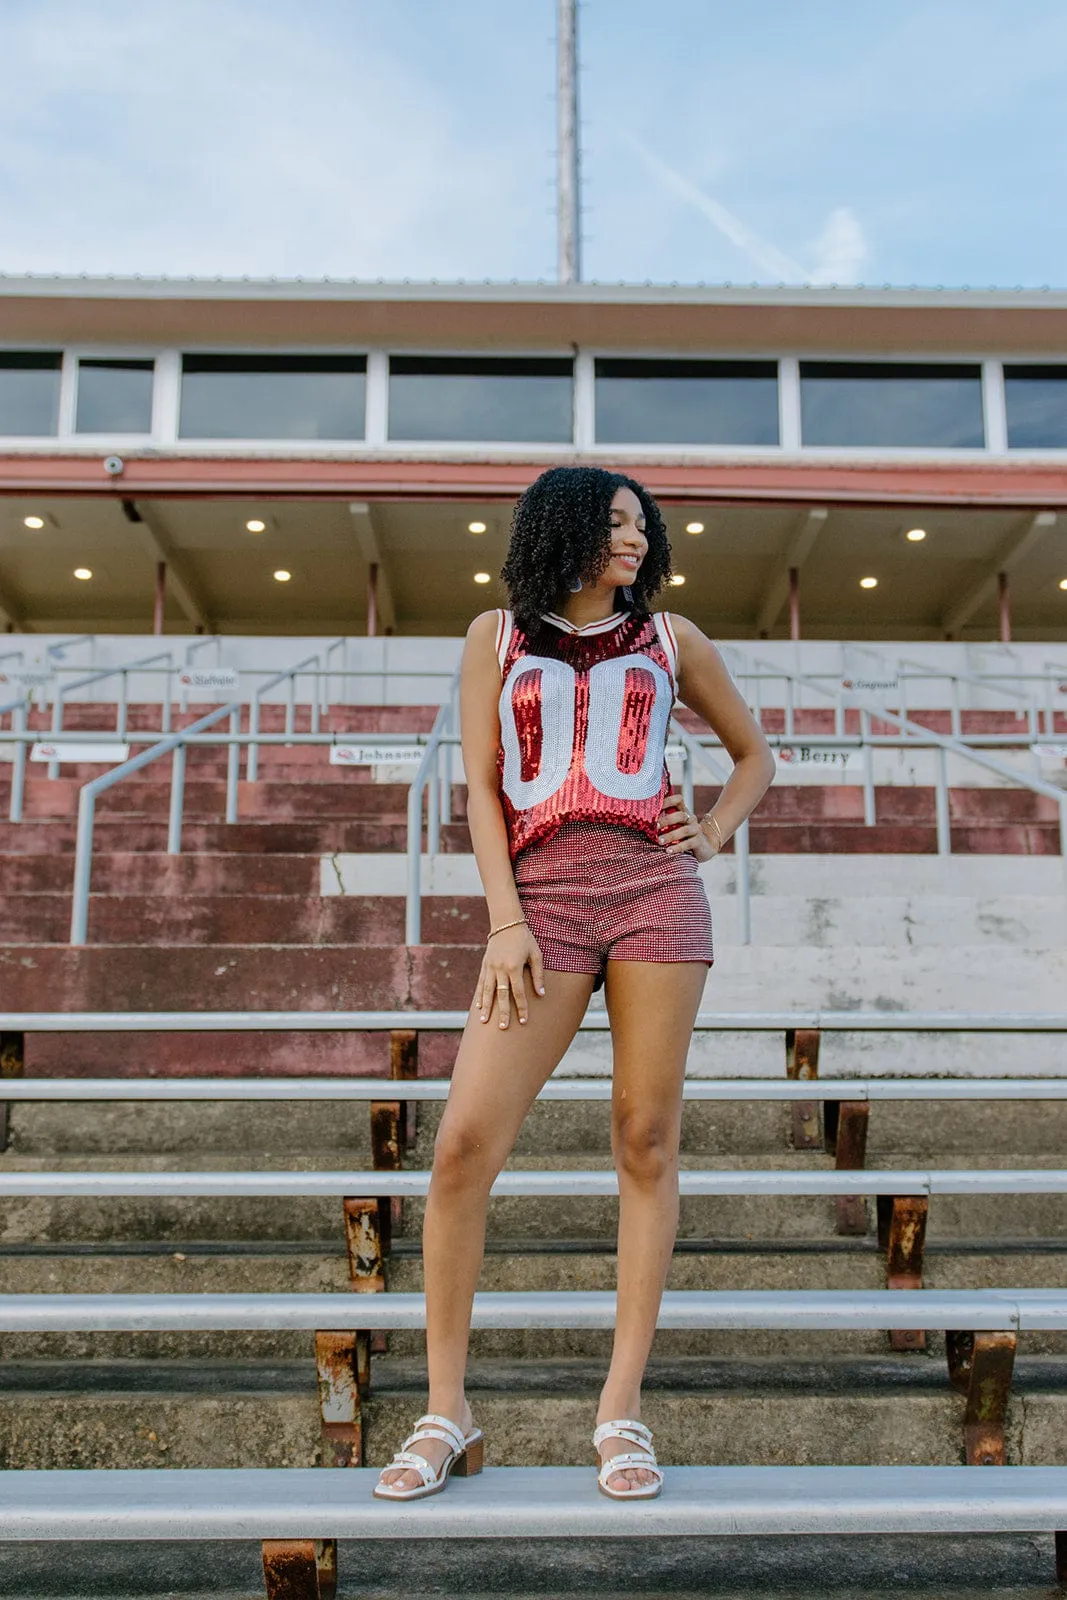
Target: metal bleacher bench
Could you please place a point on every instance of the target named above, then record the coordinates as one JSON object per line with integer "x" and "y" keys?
{"x": 300, "y": 1513}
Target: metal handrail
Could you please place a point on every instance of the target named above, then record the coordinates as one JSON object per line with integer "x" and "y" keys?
{"x": 594, "y": 1021}
{"x": 428, "y": 772}
{"x": 98, "y": 677}
{"x": 176, "y": 742}
{"x": 314, "y": 662}
{"x": 695, "y": 751}
{"x": 949, "y": 745}
{"x": 590, "y": 1090}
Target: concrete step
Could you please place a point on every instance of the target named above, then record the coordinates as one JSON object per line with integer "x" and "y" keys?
{"x": 100, "y": 716}
{"x": 267, "y": 798}
{"x": 902, "y": 1134}
{"x": 126, "y": 873}
{"x": 744, "y": 979}
{"x": 257, "y": 919}
{"x": 931, "y": 1567}
{"x": 48, "y": 1219}
{"x": 124, "y": 835}
{"x": 838, "y": 1413}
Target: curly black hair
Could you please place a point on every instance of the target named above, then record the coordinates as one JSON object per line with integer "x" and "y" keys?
{"x": 561, "y": 531}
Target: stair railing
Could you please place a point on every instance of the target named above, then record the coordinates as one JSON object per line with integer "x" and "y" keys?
{"x": 429, "y": 775}
{"x": 176, "y": 742}
{"x": 945, "y": 745}
{"x": 695, "y": 752}
{"x": 122, "y": 673}
{"x": 311, "y": 665}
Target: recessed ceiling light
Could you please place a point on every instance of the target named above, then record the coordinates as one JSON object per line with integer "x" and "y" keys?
{"x": 481, "y": 577}
{"x": 33, "y": 522}
{"x": 281, "y": 576}
{"x": 475, "y": 527}
{"x": 694, "y": 527}
{"x": 255, "y": 525}
{"x": 677, "y": 580}
{"x": 915, "y": 535}
{"x": 1063, "y": 583}
{"x": 868, "y": 583}
{"x": 84, "y": 573}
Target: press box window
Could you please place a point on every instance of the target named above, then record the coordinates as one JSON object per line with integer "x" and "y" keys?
{"x": 517, "y": 401}
{"x": 1036, "y": 399}
{"x": 686, "y": 402}
{"x": 114, "y": 397}
{"x": 273, "y": 397}
{"x": 896, "y": 405}
{"x": 29, "y": 393}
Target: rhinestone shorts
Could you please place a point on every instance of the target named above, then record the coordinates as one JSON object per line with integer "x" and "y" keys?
{"x": 596, "y": 892}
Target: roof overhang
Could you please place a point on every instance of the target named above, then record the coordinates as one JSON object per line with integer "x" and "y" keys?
{"x": 459, "y": 316}
{"x": 988, "y": 485}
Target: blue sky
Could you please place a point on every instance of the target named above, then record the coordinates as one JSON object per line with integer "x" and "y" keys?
{"x": 795, "y": 140}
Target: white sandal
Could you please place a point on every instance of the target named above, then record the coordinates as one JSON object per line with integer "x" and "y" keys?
{"x": 644, "y": 1458}
{"x": 464, "y": 1459}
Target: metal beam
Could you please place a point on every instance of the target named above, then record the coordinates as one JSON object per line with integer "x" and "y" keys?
{"x": 802, "y": 539}
{"x": 568, "y": 198}
{"x": 1018, "y": 544}
{"x": 160, "y": 545}
{"x": 362, "y": 514}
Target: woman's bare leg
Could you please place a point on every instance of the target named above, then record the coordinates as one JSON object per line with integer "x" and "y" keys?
{"x": 496, "y": 1079}
{"x": 652, "y": 1007}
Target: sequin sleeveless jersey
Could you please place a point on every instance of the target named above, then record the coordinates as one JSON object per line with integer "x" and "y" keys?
{"x": 583, "y": 725}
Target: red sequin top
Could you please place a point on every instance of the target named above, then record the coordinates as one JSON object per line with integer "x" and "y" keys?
{"x": 583, "y": 723}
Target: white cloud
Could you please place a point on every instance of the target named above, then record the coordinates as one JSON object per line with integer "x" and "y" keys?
{"x": 229, "y": 137}
{"x": 841, "y": 250}
{"x": 767, "y": 257}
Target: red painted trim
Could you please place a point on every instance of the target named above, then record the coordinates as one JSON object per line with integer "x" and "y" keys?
{"x": 964, "y": 484}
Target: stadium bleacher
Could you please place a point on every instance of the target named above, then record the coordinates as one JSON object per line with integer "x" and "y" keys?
{"x": 144, "y": 1327}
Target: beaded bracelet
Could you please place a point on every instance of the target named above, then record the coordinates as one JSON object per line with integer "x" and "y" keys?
{"x": 516, "y": 924}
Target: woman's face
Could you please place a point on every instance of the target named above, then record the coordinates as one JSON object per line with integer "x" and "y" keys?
{"x": 629, "y": 544}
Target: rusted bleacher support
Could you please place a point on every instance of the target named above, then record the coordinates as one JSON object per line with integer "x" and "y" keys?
{"x": 300, "y": 1569}
{"x": 980, "y": 1365}
{"x": 12, "y": 1064}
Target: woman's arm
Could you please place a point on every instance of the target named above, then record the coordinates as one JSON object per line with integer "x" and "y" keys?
{"x": 510, "y": 951}
{"x": 706, "y": 687}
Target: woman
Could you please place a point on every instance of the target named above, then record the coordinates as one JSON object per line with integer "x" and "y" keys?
{"x": 589, "y": 865}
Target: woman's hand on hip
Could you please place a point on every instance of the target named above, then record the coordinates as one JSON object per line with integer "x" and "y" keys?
{"x": 502, "y": 980}
{"x": 680, "y": 831}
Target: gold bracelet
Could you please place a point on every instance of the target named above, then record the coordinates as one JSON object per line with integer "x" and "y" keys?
{"x": 707, "y": 817}
{"x": 516, "y": 924}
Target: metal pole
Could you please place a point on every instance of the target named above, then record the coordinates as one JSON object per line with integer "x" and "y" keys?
{"x": 868, "y": 769}
{"x": 744, "y": 883}
{"x": 568, "y": 200}
{"x": 233, "y": 767}
{"x": 161, "y": 597}
{"x": 433, "y": 818}
{"x": 1004, "y": 600}
{"x": 794, "y": 602}
{"x": 177, "y": 802}
{"x": 57, "y": 727}
{"x": 83, "y": 866}
{"x": 944, "y": 830}
{"x": 252, "y": 761}
{"x": 413, "y": 912}
{"x": 18, "y": 765}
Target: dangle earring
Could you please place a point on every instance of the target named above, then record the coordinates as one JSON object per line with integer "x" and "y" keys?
{"x": 628, "y": 595}
{"x": 576, "y": 586}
